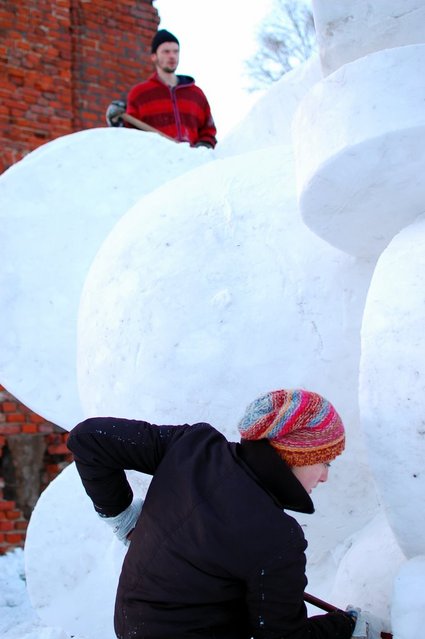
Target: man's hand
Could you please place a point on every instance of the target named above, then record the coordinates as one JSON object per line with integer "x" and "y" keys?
{"x": 114, "y": 112}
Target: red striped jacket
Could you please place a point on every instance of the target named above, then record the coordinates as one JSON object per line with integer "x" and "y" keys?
{"x": 182, "y": 112}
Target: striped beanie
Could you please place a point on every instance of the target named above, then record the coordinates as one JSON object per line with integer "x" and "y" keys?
{"x": 303, "y": 427}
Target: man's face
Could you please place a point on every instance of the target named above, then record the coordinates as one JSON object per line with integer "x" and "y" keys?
{"x": 166, "y": 57}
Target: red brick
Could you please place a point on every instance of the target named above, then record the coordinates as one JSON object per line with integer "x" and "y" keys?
{"x": 36, "y": 419}
{"x": 14, "y": 538}
{"x": 9, "y": 429}
{"x": 21, "y": 525}
{"x": 46, "y": 427}
{"x": 6, "y": 525}
{"x": 13, "y": 514}
{"x": 15, "y": 418}
{"x": 29, "y": 428}
{"x": 8, "y": 407}
{"x": 7, "y": 505}
{"x": 58, "y": 449}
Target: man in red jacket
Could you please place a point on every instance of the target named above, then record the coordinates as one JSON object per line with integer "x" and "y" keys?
{"x": 170, "y": 103}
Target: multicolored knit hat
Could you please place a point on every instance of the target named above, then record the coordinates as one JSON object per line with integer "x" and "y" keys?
{"x": 302, "y": 426}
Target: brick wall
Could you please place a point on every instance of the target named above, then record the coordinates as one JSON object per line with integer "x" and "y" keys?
{"x": 61, "y": 63}
{"x": 32, "y": 453}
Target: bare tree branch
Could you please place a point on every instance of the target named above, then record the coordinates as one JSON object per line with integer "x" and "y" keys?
{"x": 285, "y": 38}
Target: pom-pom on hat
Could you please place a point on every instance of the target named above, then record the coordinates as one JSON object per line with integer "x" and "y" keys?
{"x": 302, "y": 426}
{"x": 162, "y": 36}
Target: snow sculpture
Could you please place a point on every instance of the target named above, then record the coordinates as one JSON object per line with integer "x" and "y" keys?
{"x": 359, "y": 159}
{"x": 179, "y": 284}
{"x": 392, "y": 383}
{"x": 359, "y": 136}
{"x": 191, "y": 274}
{"x": 269, "y": 121}
{"x": 56, "y": 207}
{"x": 81, "y": 545}
{"x": 360, "y": 578}
{"x": 350, "y": 30}
{"x": 74, "y": 589}
{"x": 196, "y": 288}
{"x": 409, "y": 600}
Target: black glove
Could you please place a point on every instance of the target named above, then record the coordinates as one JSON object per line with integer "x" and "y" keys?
{"x": 348, "y": 617}
{"x": 114, "y": 111}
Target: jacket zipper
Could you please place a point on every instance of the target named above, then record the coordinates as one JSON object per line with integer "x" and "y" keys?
{"x": 176, "y": 113}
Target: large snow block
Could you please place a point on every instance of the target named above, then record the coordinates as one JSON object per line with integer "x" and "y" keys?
{"x": 73, "y": 560}
{"x": 350, "y": 30}
{"x": 211, "y": 291}
{"x": 392, "y": 384}
{"x": 57, "y": 205}
{"x": 408, "y": 605}
{"x": 359, "y": 139}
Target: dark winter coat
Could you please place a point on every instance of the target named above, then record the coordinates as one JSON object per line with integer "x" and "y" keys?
{"x": 213, "y": 553}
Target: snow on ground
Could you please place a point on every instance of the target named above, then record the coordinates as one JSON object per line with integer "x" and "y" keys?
{"x": 18, "y": 619}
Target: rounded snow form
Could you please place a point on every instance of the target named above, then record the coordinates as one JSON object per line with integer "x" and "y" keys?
{"x": 359, "y": 137}
{"x": 392, "y": 383}
{"x": 362, "y": 581}
{"x": 73, "y": 560}
{"x": 268, "y": 123}
{"x": 211, "y": 291}
{"x": 346, "y": 31}
{"x": 205, "y": 294}
{"x": 56, "y": 207}
{"x": 408, "y": 603}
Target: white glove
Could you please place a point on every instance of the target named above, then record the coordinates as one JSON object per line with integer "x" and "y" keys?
{"x": 114, "y": 111}
{"x": 126, "y": 521}
{"x": 361, "y": 628}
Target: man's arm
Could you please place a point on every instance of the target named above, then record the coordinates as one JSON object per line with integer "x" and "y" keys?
{"x": 104, "y": 447}
{"x": 207, "y": 133}
{"x": 207, "y": 130}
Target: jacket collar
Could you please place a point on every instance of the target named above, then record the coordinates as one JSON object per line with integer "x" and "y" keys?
{"x": 182, "y": 80}
{"x": 274, "y": 475}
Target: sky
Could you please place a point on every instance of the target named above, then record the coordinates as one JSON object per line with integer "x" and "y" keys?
{"x": 215, "y": 40}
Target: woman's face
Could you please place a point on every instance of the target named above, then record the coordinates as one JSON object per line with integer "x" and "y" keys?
{"x": 310, "y": 476}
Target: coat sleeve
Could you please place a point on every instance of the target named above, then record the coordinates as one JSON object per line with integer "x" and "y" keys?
{"x": 133, "y": 104}
{"x": 277, "y": 609}
{"x": 104, "y": 447}
{"x": 207, "y": 131}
